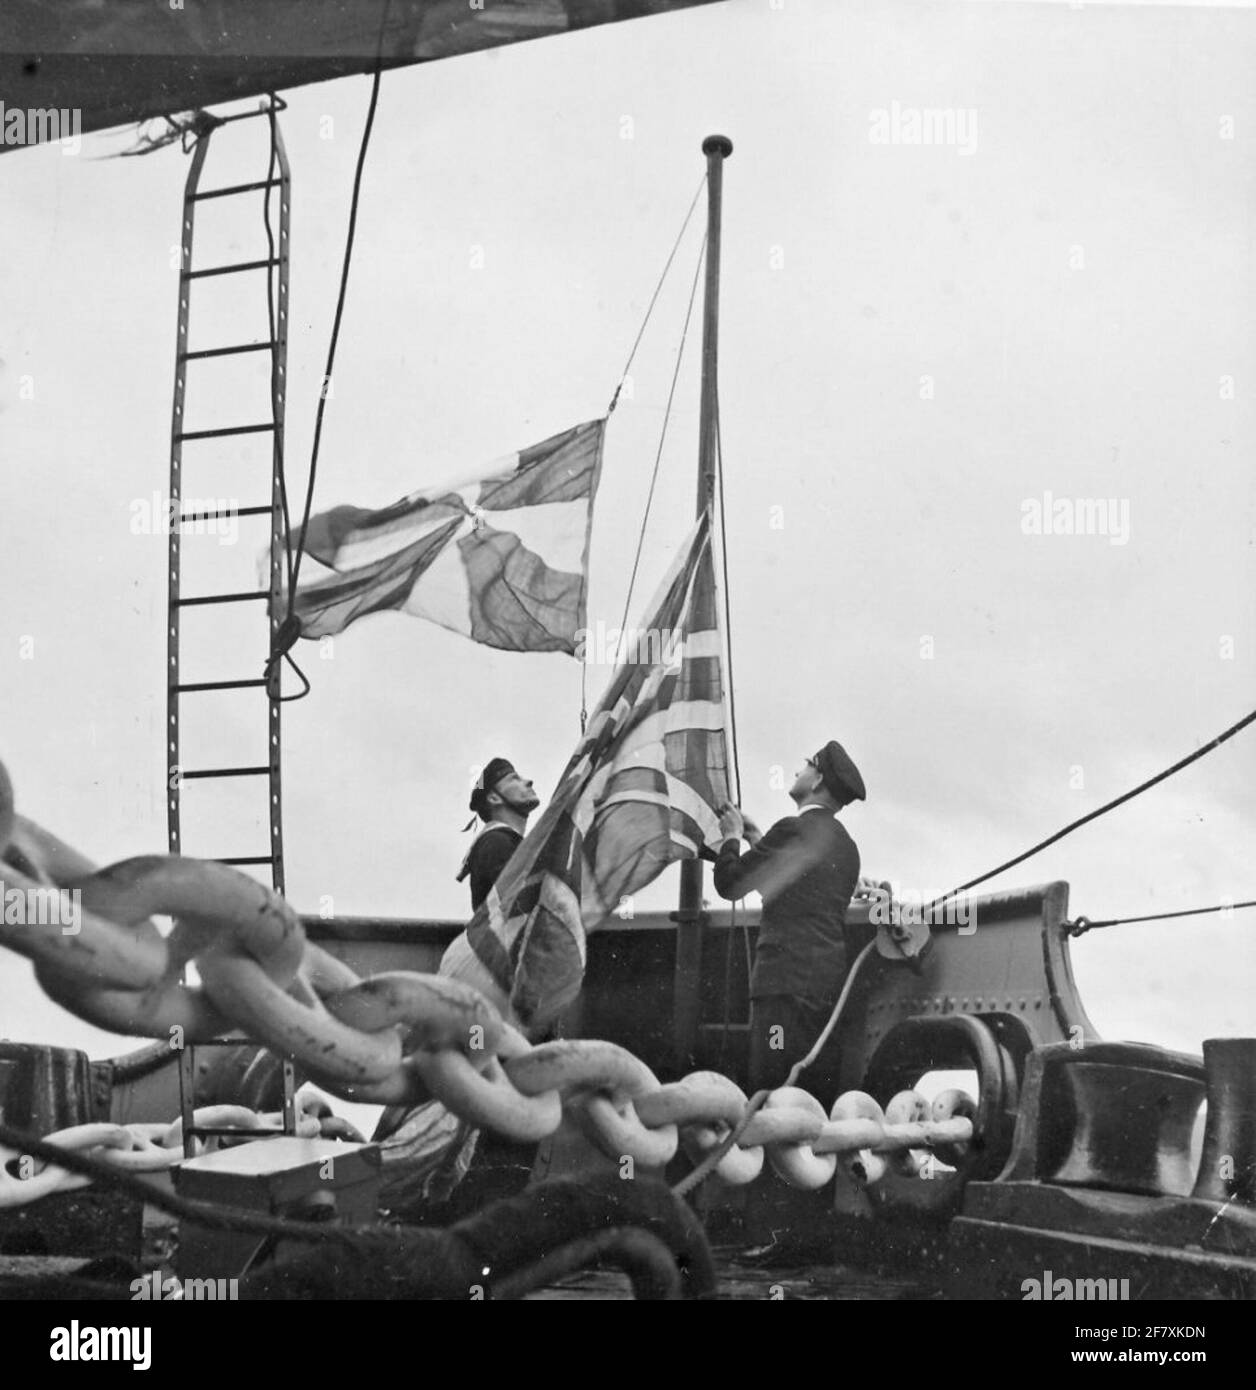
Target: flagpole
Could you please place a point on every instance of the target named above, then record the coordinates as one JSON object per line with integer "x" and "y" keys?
{"x": 689, "y": 917}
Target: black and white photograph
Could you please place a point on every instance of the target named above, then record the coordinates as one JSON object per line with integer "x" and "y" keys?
{"x": 627, "y": 663}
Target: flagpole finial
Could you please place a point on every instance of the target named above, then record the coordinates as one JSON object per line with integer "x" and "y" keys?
{"x": 717, "y": 144}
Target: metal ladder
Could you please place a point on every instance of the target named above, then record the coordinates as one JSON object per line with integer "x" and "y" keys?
{"x": 273, "y": 268}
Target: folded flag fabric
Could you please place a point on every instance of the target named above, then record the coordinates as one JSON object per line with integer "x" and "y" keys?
{"x": 502, "y": 560}
{"x": 640, "y": 791}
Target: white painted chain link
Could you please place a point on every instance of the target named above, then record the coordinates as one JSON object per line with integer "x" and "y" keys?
{"x": 404, "y": 1037}
{"x": 149, "y": 1148}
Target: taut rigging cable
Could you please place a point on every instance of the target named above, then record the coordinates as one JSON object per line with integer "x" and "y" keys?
{"x": 671, "y": 395}
{"x": 623, "y": 376}
{"x": 1102, "y": 810}
{"x": 610, "y": 410}
{"x": 1084, "y": 924}
{"x": 290, "y": 629}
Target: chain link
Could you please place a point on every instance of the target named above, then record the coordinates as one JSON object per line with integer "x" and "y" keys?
{"x": 153, "y": 1147}
{"x": 403, "y": 1037}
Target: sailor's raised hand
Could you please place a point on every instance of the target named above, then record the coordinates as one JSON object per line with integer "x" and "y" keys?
{"x": 732, "y": 822}
{"x": 750, "y": 830}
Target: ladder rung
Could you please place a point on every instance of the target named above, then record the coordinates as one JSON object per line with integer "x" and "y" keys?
{"x": 226, "y": 772}
{"x": 219, "y": 434}
{"x": 219, "y": 685}
{"x": 235, "y": 269}
{"x": 248, "y": 859}
{"x": 277, "y": 105}
{"x": 228, "y": 351}
{"x": 201, "y": 599}
{"x": 216, "y": 516}
{"x": 231, "y": 189}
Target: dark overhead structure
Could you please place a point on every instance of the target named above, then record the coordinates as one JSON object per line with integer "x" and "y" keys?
{"x": 128, "y": 60}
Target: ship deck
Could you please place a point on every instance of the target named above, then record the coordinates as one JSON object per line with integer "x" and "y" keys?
{"x": 738, "y": 1282}
{"x": 792, "y": 1282}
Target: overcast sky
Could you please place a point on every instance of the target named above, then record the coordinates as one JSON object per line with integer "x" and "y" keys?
{"x": 919, "y": 341}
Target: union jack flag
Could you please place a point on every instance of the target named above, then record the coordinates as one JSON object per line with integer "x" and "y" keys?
{"x": 641, "y": 790}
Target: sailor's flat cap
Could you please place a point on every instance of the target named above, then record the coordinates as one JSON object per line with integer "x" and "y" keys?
{"x": 839, "y": 774}
{"x": 494, "y": 770}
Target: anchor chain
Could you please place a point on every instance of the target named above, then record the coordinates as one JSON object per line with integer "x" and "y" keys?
{"x": 402, "y": 1037}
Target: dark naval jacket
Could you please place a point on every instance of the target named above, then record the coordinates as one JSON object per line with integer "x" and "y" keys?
{"x": 806, "y": 868}
{"x": 486, "y": 858}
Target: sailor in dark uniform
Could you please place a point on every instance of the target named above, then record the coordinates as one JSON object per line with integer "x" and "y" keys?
{"x": 806, "y": 868}
{"x": 503, "y": 800}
